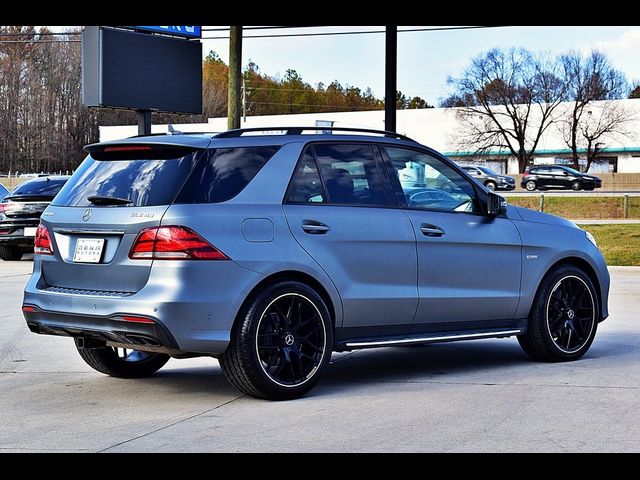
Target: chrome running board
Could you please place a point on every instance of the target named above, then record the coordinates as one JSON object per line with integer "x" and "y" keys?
{"x": 433, "y": 338}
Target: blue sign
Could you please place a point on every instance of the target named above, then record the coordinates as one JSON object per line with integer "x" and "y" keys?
{"x": 188, "y": 31}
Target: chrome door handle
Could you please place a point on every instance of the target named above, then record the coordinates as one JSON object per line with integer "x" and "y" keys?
{"x": 315, "y": 228}
{"x": 431, "y": 230}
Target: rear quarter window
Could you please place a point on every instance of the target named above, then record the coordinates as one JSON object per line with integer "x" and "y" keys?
{"x": 223, "y": 173}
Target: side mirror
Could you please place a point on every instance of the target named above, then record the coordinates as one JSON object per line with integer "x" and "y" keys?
{"x": 496, "y": 205}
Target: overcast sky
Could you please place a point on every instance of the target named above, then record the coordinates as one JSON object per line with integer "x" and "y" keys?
{"x": 425, "y": 59}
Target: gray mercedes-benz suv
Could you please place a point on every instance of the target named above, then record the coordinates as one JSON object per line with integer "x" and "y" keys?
{"x": 269, "y": 250}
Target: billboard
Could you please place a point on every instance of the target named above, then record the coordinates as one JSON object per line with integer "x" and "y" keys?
{"x": 187, "y": 31}
{"x": 125, "y": 69}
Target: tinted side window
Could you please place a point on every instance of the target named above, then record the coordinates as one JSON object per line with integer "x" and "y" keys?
{"x": 429, "y": 183}
{"x": 350, "y": 174}
{"x": 306, "y": 186}
{"x": 223, "y": 173}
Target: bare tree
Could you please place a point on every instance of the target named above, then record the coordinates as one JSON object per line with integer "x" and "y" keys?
{"x": 589, "y": 79}
{"x": 604, "y": 120}
{"x": 507, "y": 101}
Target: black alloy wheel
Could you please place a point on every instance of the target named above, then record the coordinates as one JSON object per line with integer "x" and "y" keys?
{"x": 564, "y": 317}
{"x": 281, "y": 344}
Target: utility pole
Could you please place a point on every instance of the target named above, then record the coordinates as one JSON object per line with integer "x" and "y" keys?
{"x": 235, "y": 74}
{"x": 244, "y": 100}
{"x": 391, "y": 78}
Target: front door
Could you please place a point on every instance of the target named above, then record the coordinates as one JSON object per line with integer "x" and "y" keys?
{"x": 469, "y": 265}
{"x": 339, "y": 212}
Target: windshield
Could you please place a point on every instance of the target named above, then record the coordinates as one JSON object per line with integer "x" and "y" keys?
{"x": 44, "y": 187}
{"x": 145, "y": 183}
{"x": 571, "y": 170}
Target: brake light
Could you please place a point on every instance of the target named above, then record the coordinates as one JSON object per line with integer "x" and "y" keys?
{"x": 173, "y": 243}
{"x": 43, "y": 245}
{"x": 128, "y": 148}
{"x": 525, "y": 174}
{"x": 7, "y": 207}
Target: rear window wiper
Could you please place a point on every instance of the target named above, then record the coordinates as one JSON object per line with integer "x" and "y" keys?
{"x": 98, "y": 200}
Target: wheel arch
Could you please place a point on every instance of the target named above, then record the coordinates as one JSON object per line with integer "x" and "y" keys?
{"x": 584, "y": 266}
{"x": 296, "y": 276}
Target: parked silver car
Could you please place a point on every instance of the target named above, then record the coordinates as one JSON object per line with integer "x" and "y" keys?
{"x": 490, "y": 179}
{"x": 270, "y": 251}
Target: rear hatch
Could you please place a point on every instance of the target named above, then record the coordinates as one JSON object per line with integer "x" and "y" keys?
{"x": 21, "y": 209}
{"x": 118, "y": 191}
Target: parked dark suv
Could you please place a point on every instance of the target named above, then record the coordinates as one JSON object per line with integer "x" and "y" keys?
{"x": 20, "y": 213}
{"x": 490, "y": 179}
{"x": 559, "y": 177}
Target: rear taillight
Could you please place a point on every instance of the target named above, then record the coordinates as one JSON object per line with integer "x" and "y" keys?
{"x": 173, "y": 243}
{"x": 43, "y": 244}
{"x": 525, "y": 174}
{"x": 7, "y": 207}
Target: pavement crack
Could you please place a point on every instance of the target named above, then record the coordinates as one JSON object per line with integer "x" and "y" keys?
{"x": 172, "y": 424}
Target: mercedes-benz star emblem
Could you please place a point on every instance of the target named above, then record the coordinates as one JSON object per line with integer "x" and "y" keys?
{"x": 571, "y": 314}
{"x": 289, "y": 340}
{"x": 86, "y": 216}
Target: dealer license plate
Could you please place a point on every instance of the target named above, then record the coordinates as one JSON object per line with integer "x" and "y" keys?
{"x": 88, "y": 250}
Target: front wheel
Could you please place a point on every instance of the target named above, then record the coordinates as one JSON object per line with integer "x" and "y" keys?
{"x": 564, "y": 317}
{"x": 281, "y": 344}
{"x": 121, "y": 363}
{"x": 530, "y": 185}
{"x": 491, "y": 186}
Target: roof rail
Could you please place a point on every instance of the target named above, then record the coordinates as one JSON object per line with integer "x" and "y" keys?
{"x": 298, "y": 131}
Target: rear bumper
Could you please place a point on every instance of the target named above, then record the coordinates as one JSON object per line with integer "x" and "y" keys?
{"x": 108, "y": 329}
{"x": 193, "y": 306}
{"x": 16, "y": 241}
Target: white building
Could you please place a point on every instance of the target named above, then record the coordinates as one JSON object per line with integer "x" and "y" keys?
{"x": 437, "y": 128}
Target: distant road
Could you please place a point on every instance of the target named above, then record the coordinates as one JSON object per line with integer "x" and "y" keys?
{"x": 564, "y": 193}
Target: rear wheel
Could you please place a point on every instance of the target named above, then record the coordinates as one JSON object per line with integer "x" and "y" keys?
{"x": 122, "y": 363}
{"x": 10, "y": 253}
{"x": 576, "y": 186}
{"x": 530, "y": 185}
{"x": 564, "y": 318}
{"x": 281, "y": 344}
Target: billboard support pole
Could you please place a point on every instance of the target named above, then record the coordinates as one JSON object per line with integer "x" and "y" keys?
{"x": 144, "y": 122}
{"x": 391, "y": 78}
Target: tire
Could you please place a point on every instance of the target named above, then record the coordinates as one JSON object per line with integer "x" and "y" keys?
{"x": 108, "y": 361}
{"x": 530, "y": 186}
{"x": 567, "y": 305}
{"x": 491, "y": 186}
{"x": 266, "y": 357}
{"x": 10, "y": 253}
{"x": 576, "y": 186}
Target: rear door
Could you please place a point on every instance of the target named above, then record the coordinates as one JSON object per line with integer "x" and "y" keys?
{"x": 112, "y": 196}
{"x": 341, "y": 214}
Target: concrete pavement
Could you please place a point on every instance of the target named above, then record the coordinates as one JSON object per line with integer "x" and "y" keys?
{"x": 474, "y": 396}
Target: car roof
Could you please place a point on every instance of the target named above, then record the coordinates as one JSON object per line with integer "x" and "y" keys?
{"x": 236, "y": 138}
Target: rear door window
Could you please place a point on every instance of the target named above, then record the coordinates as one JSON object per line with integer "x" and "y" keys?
{"x": 223, "y": 173}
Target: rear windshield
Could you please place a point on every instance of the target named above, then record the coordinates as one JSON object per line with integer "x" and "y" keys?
{"x": 45, "y": 187}
{"x": 209, "y": 176}
{"x": 145, "y": 183}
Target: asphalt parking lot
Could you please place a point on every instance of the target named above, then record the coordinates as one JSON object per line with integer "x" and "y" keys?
{"x": 475, "y": 396}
